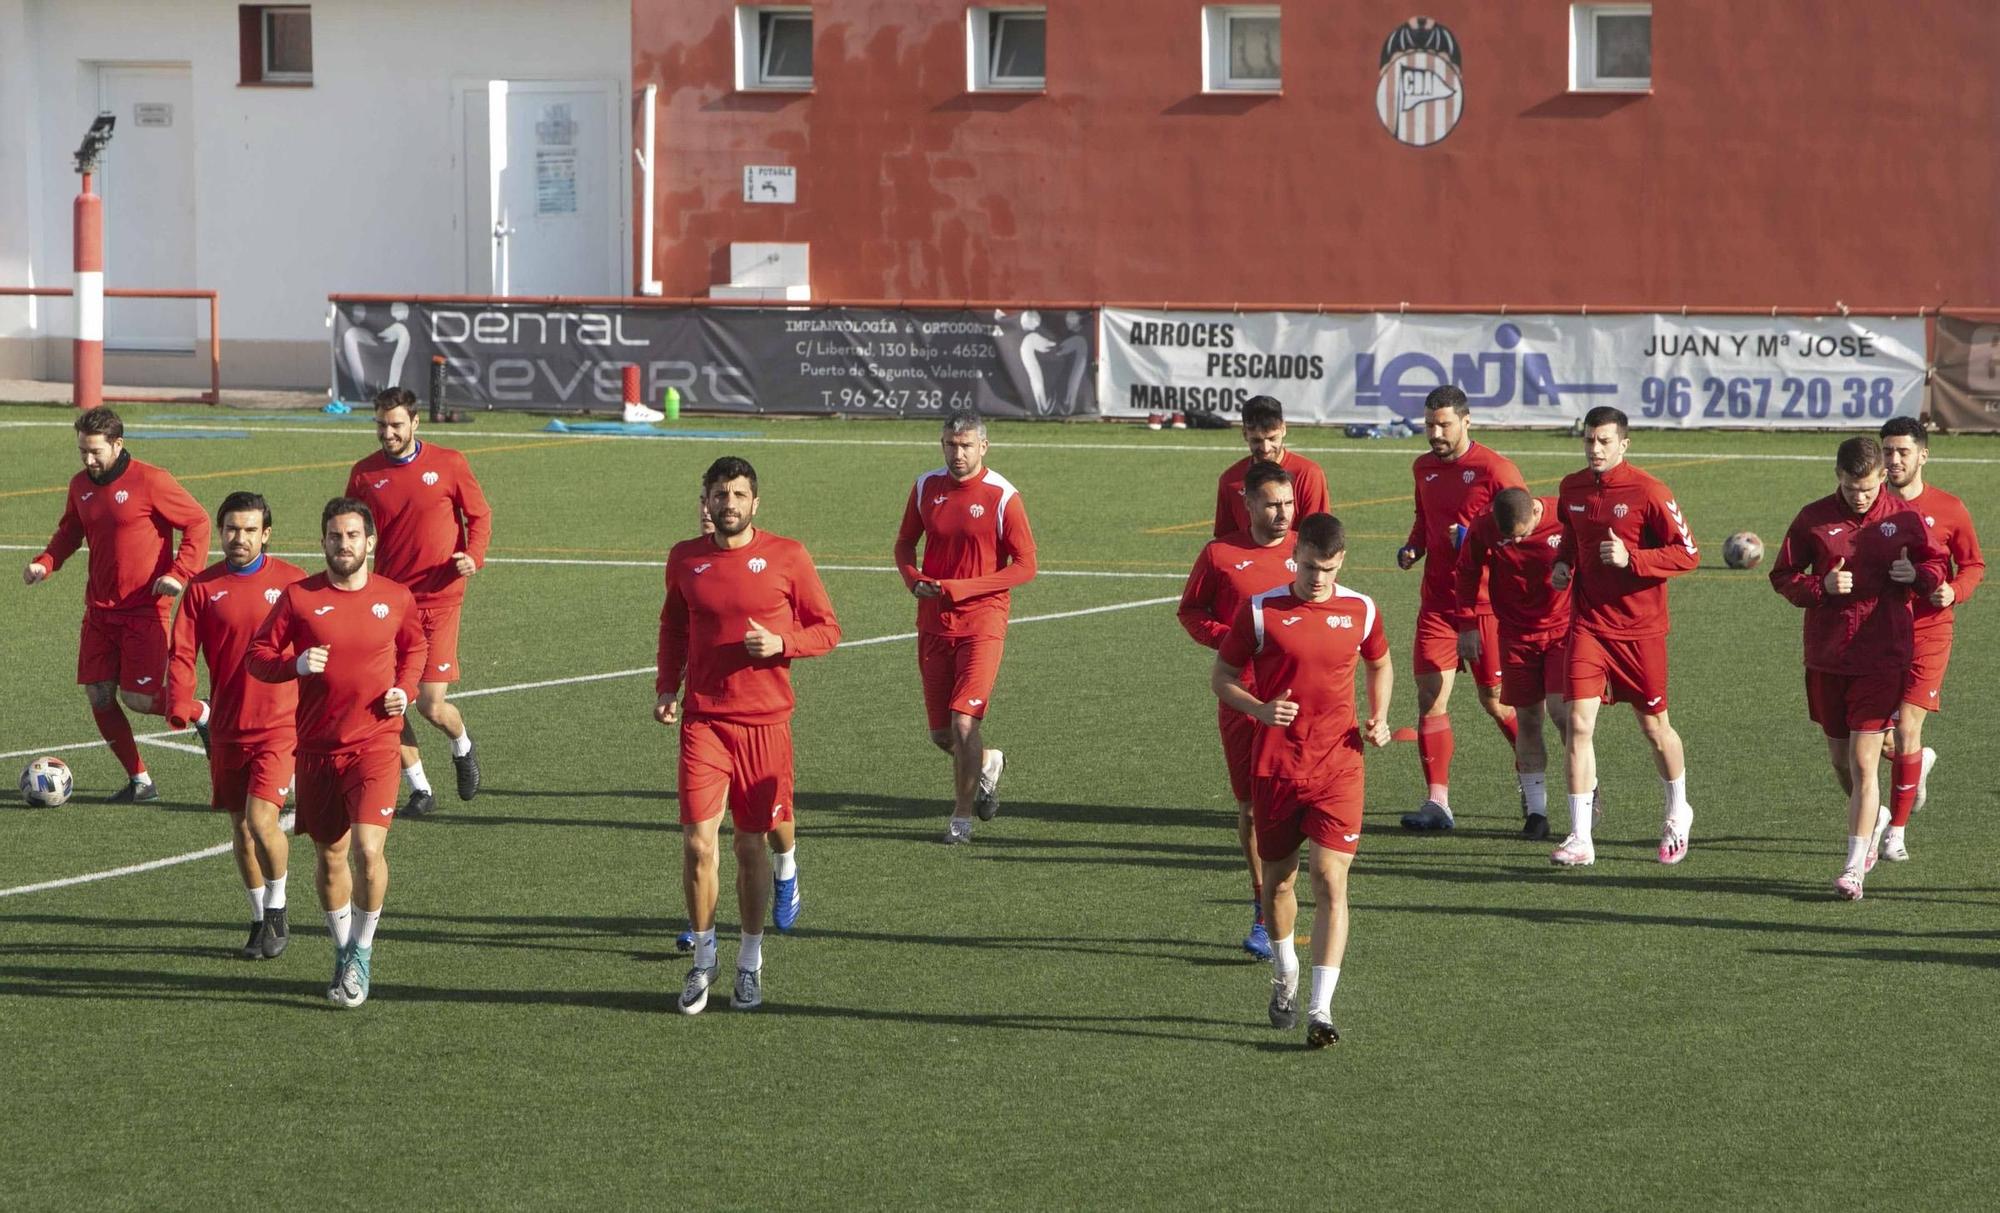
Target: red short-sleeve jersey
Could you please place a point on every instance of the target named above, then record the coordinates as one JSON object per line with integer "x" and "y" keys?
{"x": 219, "y": 614}
{"x": 1311, "y": 650}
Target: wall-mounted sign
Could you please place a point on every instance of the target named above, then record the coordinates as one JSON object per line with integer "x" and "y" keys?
{"x": 1420, "y": 94}
{"x": 153, "y": 113}
{"x": 770, "y": 183}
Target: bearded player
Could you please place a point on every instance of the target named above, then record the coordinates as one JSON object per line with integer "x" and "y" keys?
{"x": 1264, "y": 434}
{"x": 1455, "y": 483}
{"x": 248, "y": 727}
{"x": 128, "y": 512}
{"x": 434, "y": 527}
{"x": 1905, "y": 452}
{"x": 1226, "y": 575}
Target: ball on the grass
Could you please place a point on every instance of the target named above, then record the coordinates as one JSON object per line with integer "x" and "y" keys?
{"x": 46, "y": 783}
{"x": 1742, "y": 550}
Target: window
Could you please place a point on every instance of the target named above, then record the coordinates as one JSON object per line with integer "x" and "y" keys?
{"x": 1240, "y": 49}
{"x": 274, "y": 43}
{"x": 1611, "y": 47}
{"x": 774, "y": 48}
{"x": 1006, "y": 48}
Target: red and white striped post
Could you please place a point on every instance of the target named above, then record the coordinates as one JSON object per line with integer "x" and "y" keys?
{"x": 89, "y": 353}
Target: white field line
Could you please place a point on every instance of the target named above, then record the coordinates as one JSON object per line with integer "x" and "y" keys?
{"x": 1145, "y": 448}
{"x": 661, "y": 563}
{"x": 223, "y": 849}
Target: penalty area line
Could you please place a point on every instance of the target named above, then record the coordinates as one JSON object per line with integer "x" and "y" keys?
{"x": 224, "y": 848}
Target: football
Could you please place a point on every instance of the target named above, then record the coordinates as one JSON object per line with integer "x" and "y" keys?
{"x": 1742, "y": 550}
{"x": 47, "y": 782}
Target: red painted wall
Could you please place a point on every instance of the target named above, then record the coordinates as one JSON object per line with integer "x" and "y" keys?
{"x": 1793, "y": 151}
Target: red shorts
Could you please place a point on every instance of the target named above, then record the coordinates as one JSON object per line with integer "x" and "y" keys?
{"x": 337, "y": 791}
{"x": 1532, "y": 668}
{"x": 1842, "y": 704}
{"x": 749, "y": 766}
{"x": 1618, "y": 671}
{"x": 237, "y": 772}
{"x": 1239, "y": 738}
{"x": 958, "y": 674}
{"x": 1436, "y": 647}
{"x": 1932, "y": 655}
{"x": 1326, "y": 809}
{"x": 126, "y": 647}
{"x": 440, "y": 626}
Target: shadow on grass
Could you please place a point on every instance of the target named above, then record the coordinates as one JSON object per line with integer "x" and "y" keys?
{"x": 1561, "y": 916}
{"x": 474, "y": 817}
{"x": 1977, "y": 960}
{"x": 870, "y": 805}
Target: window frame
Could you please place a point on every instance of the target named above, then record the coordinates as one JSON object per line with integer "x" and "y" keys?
{"x": 1583, "y": 77}
{"x": 1216, "y": 29}
{"x": 753, "y": 50}
{"x": 272, "y": 75}
{"x": 983, "y": 45}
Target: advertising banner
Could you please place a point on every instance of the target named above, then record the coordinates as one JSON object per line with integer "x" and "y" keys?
{"x": 898, "y": 362}
{"x": 1664, "y": 370}
{"x": 1965, "y": 392}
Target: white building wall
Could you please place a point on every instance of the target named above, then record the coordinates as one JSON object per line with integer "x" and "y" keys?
{"x": 353, "y": 184}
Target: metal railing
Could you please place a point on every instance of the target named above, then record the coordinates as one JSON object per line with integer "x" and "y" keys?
{"x": 214, "y": 393}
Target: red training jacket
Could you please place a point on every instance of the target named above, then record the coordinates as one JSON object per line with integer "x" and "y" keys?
{"x": 1950, "y": 525}
{"x": 219, "y": 614}
{"x": 375, "y": 642}
{"x": 129, "y": 521}
{"x": 1628, "y": 603}
{"x": 1516, "y": 575}
{"x": 426, "y": 510}
{"x": 1453, "y": 493}
{"x": 1308, "y": 493}
{"x": 1868, "y": 631}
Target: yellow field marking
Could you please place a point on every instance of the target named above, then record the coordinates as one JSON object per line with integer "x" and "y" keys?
{"x": 468, "y": 452}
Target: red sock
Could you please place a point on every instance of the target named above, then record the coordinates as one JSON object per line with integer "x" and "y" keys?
{"x": 1434, "y": 746}
{"x": 1907, "y": 770}
{"x": 1510, "y": 728}
{"x": 117, "y": 730}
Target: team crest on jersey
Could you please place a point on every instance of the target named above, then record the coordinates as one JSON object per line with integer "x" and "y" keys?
{"x": 1469, "y": 475}
{"x": 1340, "y": 621}
{"x": 380, "y": 610}
{"x": 272, "y": 596}
{"x": 121, "y": 496}
{"x": 1420, "y": 94}
{"x": 977, "y": 511}
{"x": 1291, "y": 566}
{"x": 758, "y": 564}
{"x": 430, "y": 477}
{"x": 1929, "y": 521}
{"x": 1620, "y": 510}
{"x": 1555, "y": 541}
{"x": 1889, "y": 529}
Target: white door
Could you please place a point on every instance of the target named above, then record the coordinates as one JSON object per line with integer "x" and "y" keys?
{"x": 147, "y": 182}
{"x": 544, "y": 174}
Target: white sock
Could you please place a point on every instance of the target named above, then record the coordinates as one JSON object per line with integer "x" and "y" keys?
{"x": 415, "y": 774}
{"x": 1285, "y": 961}
{"x": 1895, "y": 836}
{"x": 365, "y": 936}
{"x": 143, "y": 778}
{"x": 340, "y": 924}
{"x": 1442, "y": 794}
{"x": 274, "y": 892}
{"x": 704, "y": 948}
{"x": 1677, "y": 793}
{"x": 1535, "y": 786}
{"x": 201, "y": 717}
{"x": 785, "y": 864}
{"x": 256, "y": 896}
{"x": 750, "y": 952}
{"x": 461, "y": 745}
{"x": 1579, "y": 816}
{"x": 1325, "y": 977}
{"x": 1857, "y": 850}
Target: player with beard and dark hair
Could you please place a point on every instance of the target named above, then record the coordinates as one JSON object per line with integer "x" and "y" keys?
{"x": 1264, "y": 433}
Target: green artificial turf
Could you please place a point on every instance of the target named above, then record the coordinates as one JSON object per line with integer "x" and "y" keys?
{"x": 1059, "y": 1014}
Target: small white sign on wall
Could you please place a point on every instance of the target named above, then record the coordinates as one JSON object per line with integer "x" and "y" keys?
{"x": 770, "y": 183}
{"x": 152, "y": 113}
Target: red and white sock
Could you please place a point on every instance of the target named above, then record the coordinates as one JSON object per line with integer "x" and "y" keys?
{"x": 1510, "y": 728}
